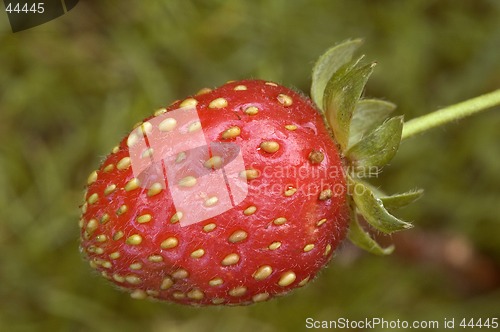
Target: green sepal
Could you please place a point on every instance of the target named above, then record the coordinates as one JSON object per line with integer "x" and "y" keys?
{"x": 328, "y": 64}
{"x": 342, "y": 93}
{"x": 368, "y": 115}
{"x": 377, "y": 148}
{"x": 361, "y": 238}
{"x": 372, "y": 208}
{"x": 397, "y": 201}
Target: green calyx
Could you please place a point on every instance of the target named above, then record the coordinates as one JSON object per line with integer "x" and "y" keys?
{"x": 367, "y": 137}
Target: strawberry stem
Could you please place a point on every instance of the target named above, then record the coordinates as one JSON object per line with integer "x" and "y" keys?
{"x": 450, "y": 113}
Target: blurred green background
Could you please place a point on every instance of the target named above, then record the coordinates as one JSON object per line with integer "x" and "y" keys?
{"x": 71, "y": 88}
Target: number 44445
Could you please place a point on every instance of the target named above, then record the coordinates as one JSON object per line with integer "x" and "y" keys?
{"x": 480, "y": 323}
{"x": 36, "y": 8}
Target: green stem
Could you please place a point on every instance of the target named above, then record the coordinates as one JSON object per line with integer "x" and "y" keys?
{"x": 450, "y": 113}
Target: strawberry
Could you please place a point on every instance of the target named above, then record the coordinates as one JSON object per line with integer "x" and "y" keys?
{"x": 231, "y": 196}
{"x": 240, "y": 194}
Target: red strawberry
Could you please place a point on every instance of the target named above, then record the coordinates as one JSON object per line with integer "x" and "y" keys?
{"x": 238, "y": 197}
